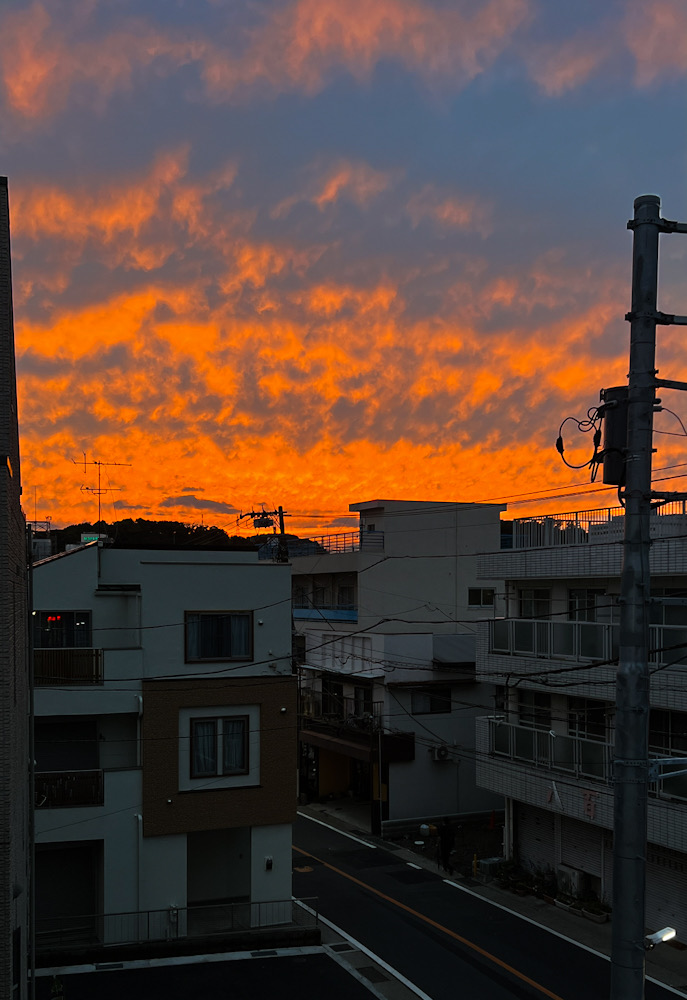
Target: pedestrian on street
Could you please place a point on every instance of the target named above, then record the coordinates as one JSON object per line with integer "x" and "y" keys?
{"x": 446, "y": 845}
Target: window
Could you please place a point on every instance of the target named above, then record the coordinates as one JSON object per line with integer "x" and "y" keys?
{"x": 480, "y": 597}
{"x": 534, "y": 709}
{"x": 668, "y": 732}
{"x": 667, "y": 614}
{"x": 587, "y": 718}
{"x": 535, "y": 602}
{"x": 584, "y": 604}
{"x": 219, "y": 635}
{"x": 219, "y": 746}
{"x": 62, "y": 629}
{"x": 430, "y": 701}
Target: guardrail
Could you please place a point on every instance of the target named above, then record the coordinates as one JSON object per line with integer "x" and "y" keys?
{"x": 67, "y": 789}
{"x": 172, "y": 923}
{"x": 346, "y": 541}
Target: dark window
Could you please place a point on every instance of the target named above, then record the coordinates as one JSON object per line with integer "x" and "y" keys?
{"x": 62, "y": 629}
{"x": 667, "y": 614}
{"x": 535, "y": 602}
{"x": 668, "y": 731}
{"x": 587, "y": 718}
{"x": 219, "y": 746}
{"x": 584, "y": 604}
{"x": 480, "y": 597}
{"x": 219, "y": 635}
{"x": 430, "y": 700}
{"x": 534, "y": 709}
{"x": 332, "y": 697}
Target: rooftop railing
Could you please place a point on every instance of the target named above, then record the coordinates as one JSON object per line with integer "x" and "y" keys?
{"x": 590, "y": 526}
{"x": 347, "y": 541}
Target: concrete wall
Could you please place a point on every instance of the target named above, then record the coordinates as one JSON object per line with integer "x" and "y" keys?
{"x": 219, "y": 865}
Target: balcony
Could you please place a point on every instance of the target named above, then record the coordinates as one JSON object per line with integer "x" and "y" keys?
{"x": 62, "y": 667}
{"x": 345, "y": 716}
{"x": 569, "y": 755}
{"x": 550, "y": 639}
{"x": 67, "y": 789}
{"x": 325, "y": 612}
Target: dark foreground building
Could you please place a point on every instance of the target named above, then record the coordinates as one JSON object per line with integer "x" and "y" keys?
{"x": 14, "y": 674}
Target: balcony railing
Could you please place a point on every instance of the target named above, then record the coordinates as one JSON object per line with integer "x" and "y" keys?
{"x": 590, "y": 526}
{"x": 345, "y": 714}
{"x": 325, "y": 612}
{"x": 538, "y": 748}
{"x": 60, "y": 933}
{"x": 68, "y": 666}
{"x": 551, "y": 639}
{"x": 345, "y": 541}
{"x": 65, "y": 789}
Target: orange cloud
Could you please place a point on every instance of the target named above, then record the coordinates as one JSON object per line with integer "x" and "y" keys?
{"x": 52, "y": 50}
{"x": 656, "y": 34}
{"x": 450, "y": 212}
{"x": 558, "y": 68}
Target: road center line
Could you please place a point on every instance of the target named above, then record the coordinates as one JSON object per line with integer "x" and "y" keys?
{"x": 433, "y": 923}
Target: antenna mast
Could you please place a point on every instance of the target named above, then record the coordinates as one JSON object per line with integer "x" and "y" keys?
{"x": 99, "y": 490}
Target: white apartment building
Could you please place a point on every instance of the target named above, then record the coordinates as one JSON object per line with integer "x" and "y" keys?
{"x": 165, "y": 744}
{"x": 386, "y": 618}
{"x": 549, "y": 746}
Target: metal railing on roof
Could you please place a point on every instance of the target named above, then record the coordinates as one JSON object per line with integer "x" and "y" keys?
{"x": 589, "y": 526}
{"x": 347, "y": 541}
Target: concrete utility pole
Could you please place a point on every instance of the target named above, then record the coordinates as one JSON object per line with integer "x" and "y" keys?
{"x": 631, "y": 762}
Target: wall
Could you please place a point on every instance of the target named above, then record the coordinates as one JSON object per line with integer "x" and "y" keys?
{"x": 334, "y": 773}
{"x": 219, "y": 865}
{"x": 167, "y": 809}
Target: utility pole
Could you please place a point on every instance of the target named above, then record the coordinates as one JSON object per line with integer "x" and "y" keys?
{"x": 631, "y": 760}
{"x": 265, "y": 519}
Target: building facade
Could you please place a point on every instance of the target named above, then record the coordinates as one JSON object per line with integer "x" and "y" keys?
{"x": 165, "y": 737}
{"x": 15, "y": 753}
{"x": 549, "y": 745}
{"x": 386, "y": 620}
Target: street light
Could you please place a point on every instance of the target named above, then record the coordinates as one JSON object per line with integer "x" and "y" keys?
{"x": 651, "y": 940}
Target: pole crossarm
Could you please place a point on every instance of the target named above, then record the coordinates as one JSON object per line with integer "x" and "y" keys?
{"x": 663, "y": 319}
{"x": 655, "y": 766}
{"x": 656, "y": 495}
{"x": 663, "y": 225}
{"x": 667, "y": 383}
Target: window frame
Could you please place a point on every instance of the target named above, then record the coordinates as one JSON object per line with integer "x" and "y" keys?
{"x": 481, "y": 591}
{"x": 439, "y": 702}
{"x": 221, "y": 770}
{"x": 200, "y": 614}
{"x": 40, "y": 630}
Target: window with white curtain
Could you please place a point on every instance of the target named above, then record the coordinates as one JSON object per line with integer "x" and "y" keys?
{"x": 219, "y": 635}
{"x": 219, "y": 746}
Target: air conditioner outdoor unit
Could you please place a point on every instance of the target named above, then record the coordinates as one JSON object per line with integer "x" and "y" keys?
{"x": 489, "y": 866}
{"x": 440, "y": 753}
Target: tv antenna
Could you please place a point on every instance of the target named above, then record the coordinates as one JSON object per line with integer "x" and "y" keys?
{"x": 99, "y": 490}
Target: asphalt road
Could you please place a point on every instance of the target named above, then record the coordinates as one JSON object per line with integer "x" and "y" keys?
{"x": 448, "y": 943}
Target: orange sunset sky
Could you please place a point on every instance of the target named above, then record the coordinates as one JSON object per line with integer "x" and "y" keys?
{"x": 313, "y": 252}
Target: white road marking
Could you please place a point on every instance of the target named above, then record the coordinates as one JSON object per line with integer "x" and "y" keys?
{"x": 563, "y": 937}
{"x": 411, "y": 865}
{"x": 335, "y": 829}
{"x": 370, "y": 954}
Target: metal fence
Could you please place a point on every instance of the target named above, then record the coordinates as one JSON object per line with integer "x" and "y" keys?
{"x": 590, "y": 526}
{"x": 347, "y": 541}
{"x": 572, "y": 755}
{"x": 173, "y": 923}
{"x": 67, "y": 666}
{"x": 66, "y": 789}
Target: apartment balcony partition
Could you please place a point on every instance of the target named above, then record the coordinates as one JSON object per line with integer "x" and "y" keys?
{"x": 67, "y": 789}
{"x": 58, "y": 667}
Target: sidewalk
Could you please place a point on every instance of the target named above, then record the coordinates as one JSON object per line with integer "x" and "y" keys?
{"x": 667, "y": 963}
